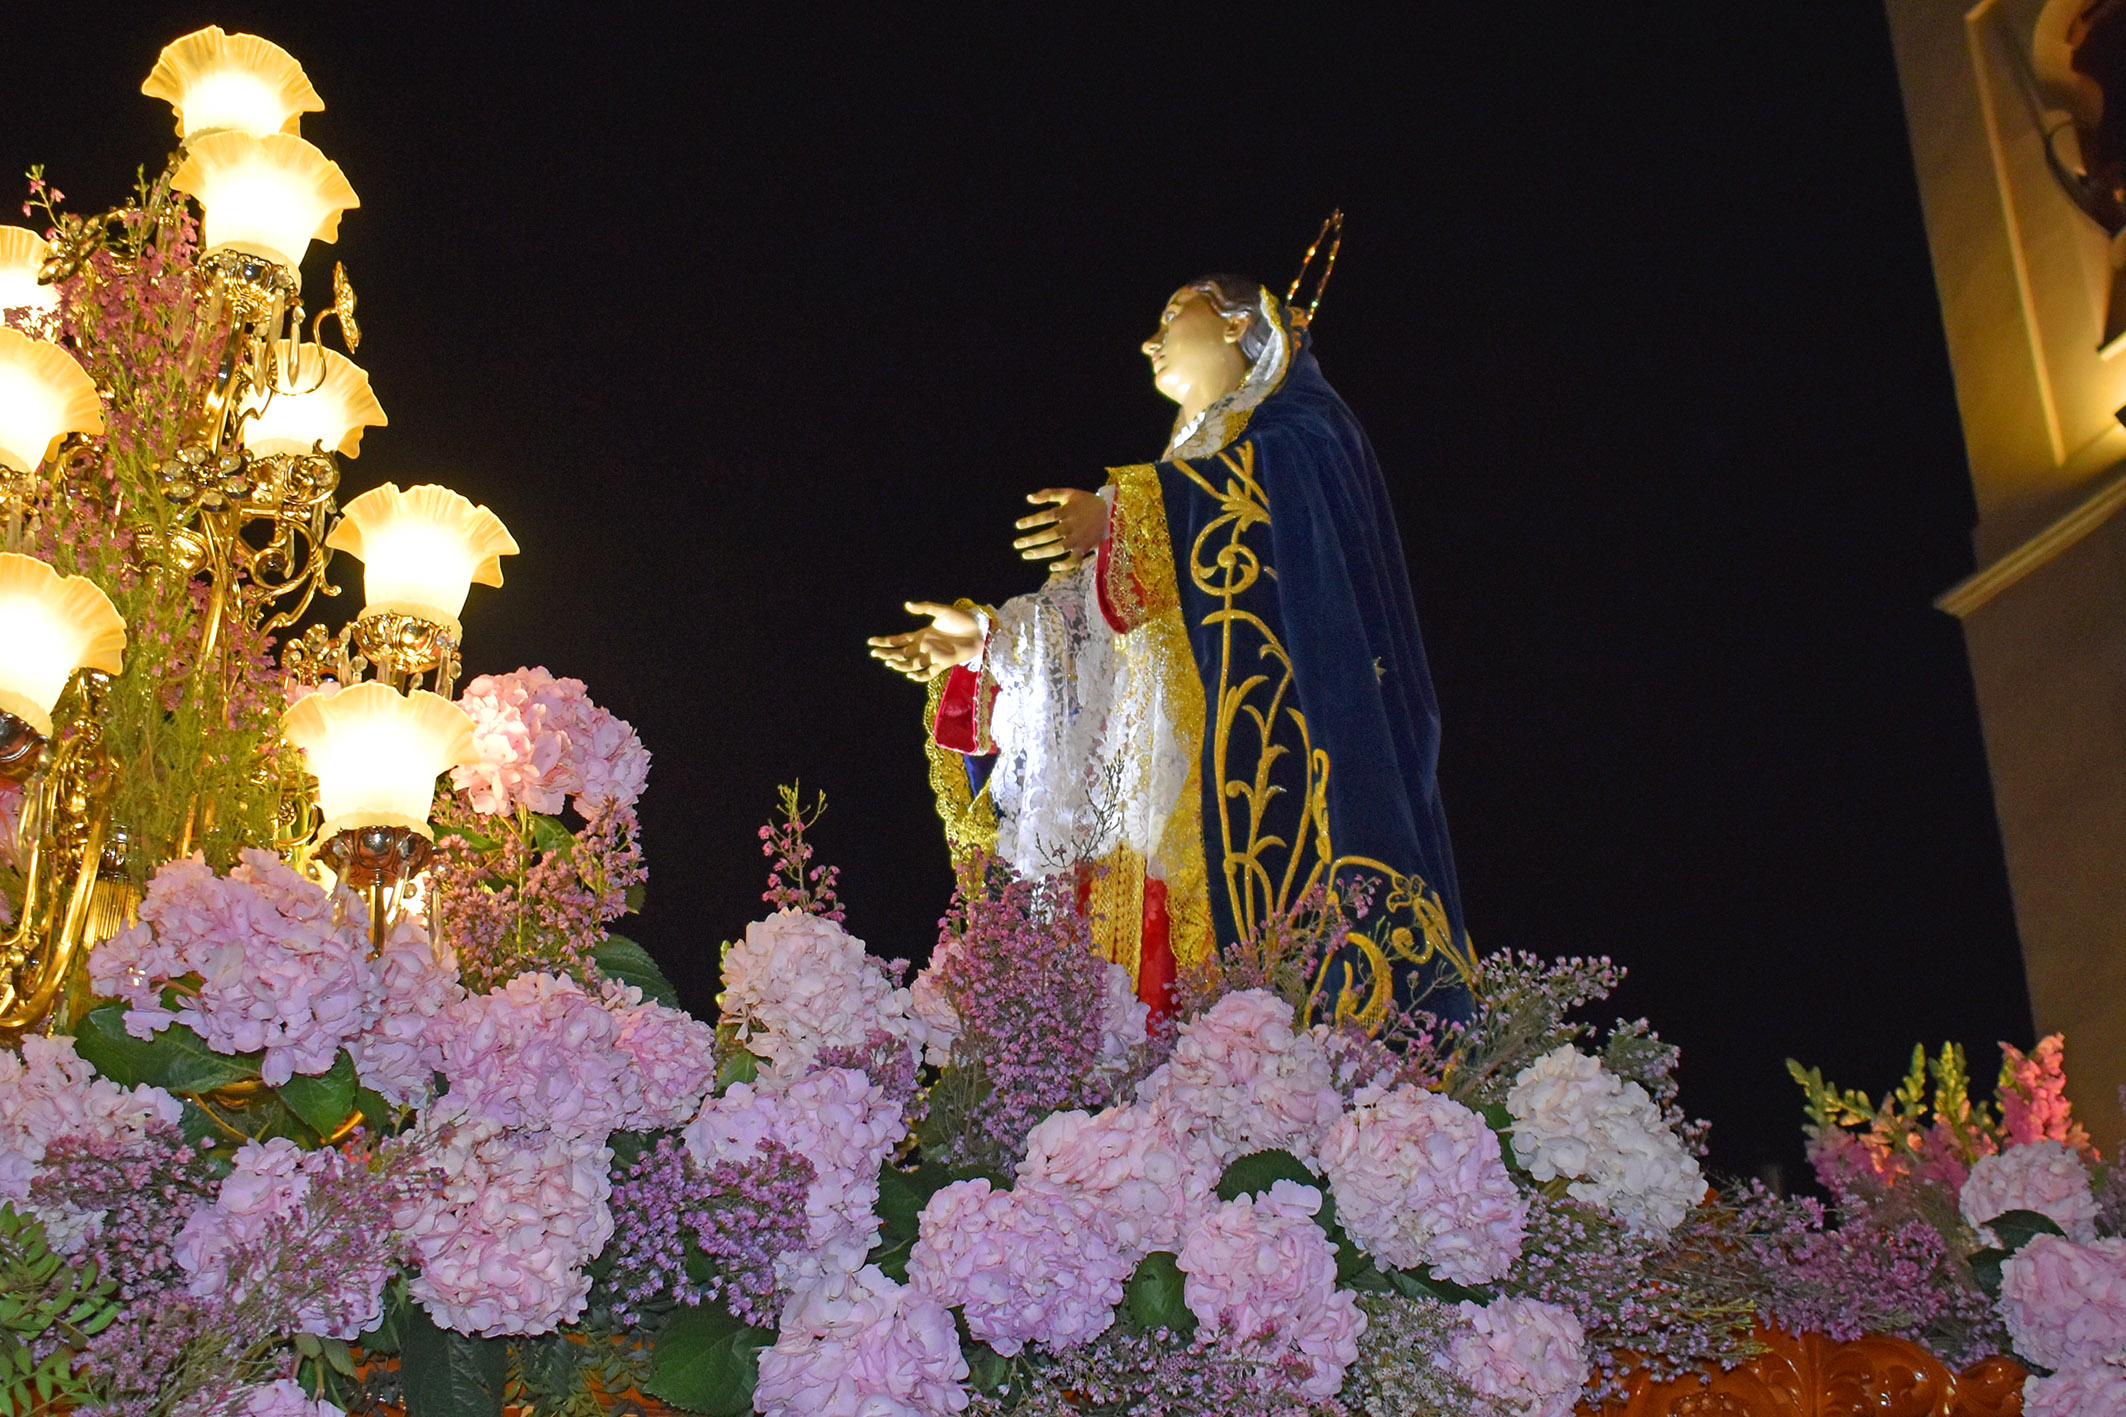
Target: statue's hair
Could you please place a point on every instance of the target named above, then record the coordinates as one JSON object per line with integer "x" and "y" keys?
{"x": 1233, "y": 296}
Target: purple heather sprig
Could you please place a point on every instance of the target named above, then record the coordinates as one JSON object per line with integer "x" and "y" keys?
{"x": 131, "y": 1195}
{"x": 793, "y": 882}
{"x": 740, "y": 1215}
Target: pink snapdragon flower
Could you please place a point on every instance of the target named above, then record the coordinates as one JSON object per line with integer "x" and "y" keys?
{"x": 2048, "y": 1177}
{"x": 1147, "y": 1182}
{"x": 671, "y": 1057}
{"x": 1245, "y": 1078}
{"x": 2033, "y": 1096}
{"x": 2065, "y": 1303}
{"x": 839, "y": 1120}
{"x": 500, "y": 1247}
{"x": 799, "y": 983}
{"x": 1420, "y": 1179}
{"x": 1261, "y": 1276}
{"x": 283, "y": 965}
{"x": 541, "y": 741}
{"x": 1025, "y": 1266}
{"x": 537, "y": 1052}
{"x": 868, "y": 1348}
{"x": 1528, "y": 1357}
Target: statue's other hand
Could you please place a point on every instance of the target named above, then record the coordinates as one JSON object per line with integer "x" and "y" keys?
{"x": 1074, "y": 527}
{"x": 952, "y": 637}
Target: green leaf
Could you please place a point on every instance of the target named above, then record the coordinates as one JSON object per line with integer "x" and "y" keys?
{"x": 375, "y": 1110}
{"x": 1255, "y": 1173}
{"x": 2017, "y": 1228}
{"x": 324, "y": 1099}
{"x": 549, "y": 835}
{"x": 1153, "y": 1296}
{"x": 1986, "y": 1271}
{"x": 470, "y": 837}
{"x": 738, "y": 1066}
{"x": 1501, "y": 1123}
{"x": 707, "y": 1361}
{"x": 1422, "y": 1283}
{"x": 198, "y": 1128}
{"x": 388, "y": 1335}
{"x": 176, "y": 1059}
{"x": 633, "y": 897}
{"x": 447, "y": 1374}
{"x": 622, "y": 959}
{"x": 986, "y": 1368}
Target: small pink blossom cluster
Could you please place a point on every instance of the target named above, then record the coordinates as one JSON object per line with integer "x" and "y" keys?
{"x": 537, "y": 1052}
{"x": 799, "y": 983}
{"x": 501, "y": 1245}
{"x": 541, "y": 741}
{"x": 1146, "y": 1180}
{"x": 2048, "y": 1177}
{"x": 280, "y": 1398}
{"x": 841, "y": 1122}
{"x": 1261, "y": 1276}
{"x": 672, "y": 1056}
{"x": 282, "y": 966}
{"x": 2065, "y": 1303}
{"x": 1420, "y": 1179}
{"x": 1528, "y": 1357}
{"x": 1574, "y": 1119}
{"x": 260, "y": 1202}
{"x": 2033, "y": 1096}
{"x": 871, "y": 1348}
{"x": 397, "y": 1054}
{"x": 1243, "y": 1077}
{"x": 2098, "y": 1390}
{"x": 1024, "y": 1266}
{"x": 49, "y": 1092}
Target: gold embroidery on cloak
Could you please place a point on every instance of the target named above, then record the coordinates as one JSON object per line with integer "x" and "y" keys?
{"x": 970, "y": 817}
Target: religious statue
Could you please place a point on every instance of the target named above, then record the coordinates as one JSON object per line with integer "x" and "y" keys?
{"x": 1218, "y": 706}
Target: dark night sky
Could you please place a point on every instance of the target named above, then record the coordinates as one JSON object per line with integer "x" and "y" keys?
{"x": 751, "y": 325}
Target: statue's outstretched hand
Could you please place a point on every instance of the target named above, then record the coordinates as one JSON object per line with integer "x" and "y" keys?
{"x": 1074, "y": 528}
{"x": 952, "y": 637}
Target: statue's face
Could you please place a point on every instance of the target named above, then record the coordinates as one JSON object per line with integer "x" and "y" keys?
{"x": 1195, "y": 354}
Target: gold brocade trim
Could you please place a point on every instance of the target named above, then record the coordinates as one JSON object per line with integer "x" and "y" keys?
{"x": 970, "y": 817}
{"x": 1115, "y": 908}
{"x": 1414, "y": 927}
{"x": 1143, "y": 554}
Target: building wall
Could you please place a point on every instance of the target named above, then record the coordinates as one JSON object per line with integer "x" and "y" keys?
{"x": 2026, "y": 290}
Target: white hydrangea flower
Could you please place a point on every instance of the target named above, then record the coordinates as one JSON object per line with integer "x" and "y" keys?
{"x": 2048, "y": 1177}
{"x": 1572, "y": 1118}
{"x": 798, "y": 983}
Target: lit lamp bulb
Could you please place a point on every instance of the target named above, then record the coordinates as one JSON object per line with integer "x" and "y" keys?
{"x": 421, "y": 550}
{"x": 376, "y": 754}
{"x": 268, "y": 197}
{"x": 22, "y": 254}
{"x": 50, "y": 626}
{"x": 44, "y": 395}
{"x": 331, "y": 409}
{"x": 231, "y": 81}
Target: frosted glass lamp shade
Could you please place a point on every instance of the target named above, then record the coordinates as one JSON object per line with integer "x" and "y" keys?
{"x": 44, "y": 395}
{"x": 50, "y": 626}
{"x": 376, "y": 753}
{"x": 22, "y": 254}
{"x": 332, "y": 412}
{"x": 421, "y": 550}
{"x": 231, "y": 81}
{"x": 268, "y": 197}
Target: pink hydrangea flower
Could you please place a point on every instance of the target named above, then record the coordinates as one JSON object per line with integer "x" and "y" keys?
{"x": 398, "y": 1054}
{"x": 2095, "y": 1390}
{"x": 500, "y": 1247}
{"x": 1262, "y": 1277}
{"x": 1024, "y": 1266}
{"x": 1527, "y": 1356}
{"x": 537, "y": 1052}
{"x": 799, "y": 983}
{"x": 671, "y": 1056}
{"x": 845, "y": 1125}
{"x": 1420, "y": 1179}
{"x": 2048, "y": 1177}
{"x": 284, "y": 967}
{"x": 269, "y": 1182}
{"x": 1146, "y": 1181}
{"x": 1241, "y": 1074}
{"x": 2065, "y": 1303}
{"x": 1124, "y": 1019}
{"x": 1574, "y": 1119}
{"x": 280, "y": 1398}
{"x": 48, "y": 1091}
{"x": 541, "y": 741}
{"x": 869, "y": 1348}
